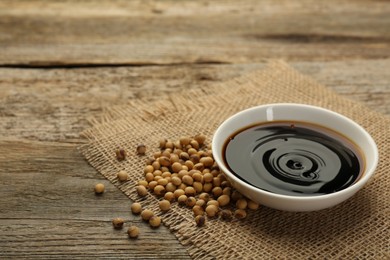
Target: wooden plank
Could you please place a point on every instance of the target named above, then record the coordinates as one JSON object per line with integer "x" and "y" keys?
{"x": 53, "y": 105}
{"x": 84, "y": 33}
{"x": 48, "y": 208}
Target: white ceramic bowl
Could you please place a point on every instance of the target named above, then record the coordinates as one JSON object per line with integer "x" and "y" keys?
{"x": 304, "y": 113}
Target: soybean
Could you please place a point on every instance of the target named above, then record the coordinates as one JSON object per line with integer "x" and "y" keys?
{"x": 176, "y": 181}
{"x": 184, "y": 141}
{"x": 122, "y": 175}
{"x": 207, "y": 161}
{"x": 207, "y": 187}
{"x": 241, "y": 204}
{"x": 240, "y": 213}
{"x": 155, "y": 221}
{"x": 211, "y": 211}
{"x": 120, "y": 154}
{"x": 146, "y": 214}
{"x": 191, "y": 201}
{"x": 223, "y": 200}
{"x": 152, "y": 185}
{"x": 162, "y": 181}
{"x": 141, "y": 190}
{"x": 118, "y": 223}
{"x": 164, "y": 205}
{"x": 143, "y": 183}
{"x": 148, "y": 168}
{"x": 99, "y": 188}
{"x": 169, "y": 196}
{"x": 170, "y": 187}
{"x": 208, "y": 177}
{"x": 200, "y": 138}
{"x": 213, "y": 202}
{"x": 198, "y": 186}
{"x": 190, "y": 191}
{"x": 141, "y": 149}
{"x": 136, "y": 208}
{"x": 200, "y": 203}
{"x": 149, "y": 177}
{"x": 176, "y": 167}
{"x": 198, "y": 210}
{"x": 217, "y": 191}
{"x": 164, "y": 161}
{"x": 182, "y": 199}
{"x": 133, "y": 232}
{"x": 200, "y": 220}
{"x": 187, "y": 180}
{"x": 253, "y": 205}
{"x": 159, "y": 190}
{"x": 194, "y": 144}
{"x": 178, "y": 193}
{"x": 226, "y": 214}
{"x": 236, "y": 195}
{"x": 162, "y": 143}
{"x": 156, "y": 165}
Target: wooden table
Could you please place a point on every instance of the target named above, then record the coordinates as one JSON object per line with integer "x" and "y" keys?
{"x": 62, "y": 62}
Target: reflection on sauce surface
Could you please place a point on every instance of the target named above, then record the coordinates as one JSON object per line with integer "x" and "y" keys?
{"x": 298, "y": 158}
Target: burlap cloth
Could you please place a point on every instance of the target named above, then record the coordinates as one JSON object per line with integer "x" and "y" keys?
{"x": 357, "y": 228}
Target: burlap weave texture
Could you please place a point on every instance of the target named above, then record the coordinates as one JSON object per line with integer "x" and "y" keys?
{"x": 357, "y": 228}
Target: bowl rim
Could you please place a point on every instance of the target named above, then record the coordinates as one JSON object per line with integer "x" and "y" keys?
{"x": 368, "y": 173}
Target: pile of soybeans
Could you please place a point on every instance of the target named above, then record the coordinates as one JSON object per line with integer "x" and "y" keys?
{"x": 184, "y": 171}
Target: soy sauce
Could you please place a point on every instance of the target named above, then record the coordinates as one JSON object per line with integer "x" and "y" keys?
{"x": 293, "y": 158}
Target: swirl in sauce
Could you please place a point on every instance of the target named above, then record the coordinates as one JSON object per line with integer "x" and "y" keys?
{"x": 298, "y": 159}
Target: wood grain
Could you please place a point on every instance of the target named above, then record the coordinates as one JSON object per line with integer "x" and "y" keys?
{"x": 83, "y": 33}
{"x": 49, "y": 209}
{"x": 31, "y": 108}
{"x": 51, "y": 184}
{"x": 62, "y": 62}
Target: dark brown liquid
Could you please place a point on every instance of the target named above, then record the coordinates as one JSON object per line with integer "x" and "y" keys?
{"x": 298, "y": 158}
